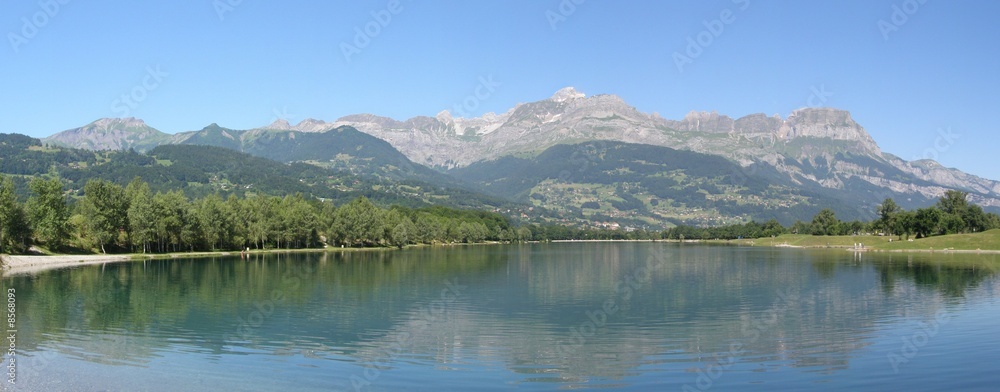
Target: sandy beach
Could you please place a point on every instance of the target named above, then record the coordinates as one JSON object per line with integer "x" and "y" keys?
{"x": 17, "y": 265}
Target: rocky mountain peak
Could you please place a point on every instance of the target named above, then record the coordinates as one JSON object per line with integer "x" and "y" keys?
{"x": 367, "y": 121}
{"x": 109, "y": 134}
{"x": 566, "y": 94}
{"x": 312, "y": 125}
{"x": 827, "y": 123}
{"x": 280, "y": 124}
{"x": 111, "y": 123}
{"x": 445, "y": 117}
{"x": 307, "y": 125}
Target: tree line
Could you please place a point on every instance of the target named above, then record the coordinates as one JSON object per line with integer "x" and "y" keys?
{"x": 952, "y": 214}
{"x": 731, "y": 232}
{"x": 112, "y": 218}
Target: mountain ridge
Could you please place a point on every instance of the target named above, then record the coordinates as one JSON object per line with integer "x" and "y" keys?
{"x": 110, "y": 134}
{"x": 818, "y": 146}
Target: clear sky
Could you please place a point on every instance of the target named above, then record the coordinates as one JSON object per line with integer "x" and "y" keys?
{"x": 907, "y": 76}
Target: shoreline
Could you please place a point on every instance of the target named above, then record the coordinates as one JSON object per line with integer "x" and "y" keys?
{"x": 13, "y": 265}
{"x": 948, "y": 250}
{"x": 859, "y": 250}
{"x": 571, "y": 241}
{"x": 20, "y": 265}
{"x": 876, "y": 250}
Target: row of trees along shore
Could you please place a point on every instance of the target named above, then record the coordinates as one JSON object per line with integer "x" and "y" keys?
{"x": 112, "y": 218}
{"x": 952, "y": 214}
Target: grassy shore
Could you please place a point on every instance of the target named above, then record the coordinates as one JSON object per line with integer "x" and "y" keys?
{"x": 988, "y": 240}
{"x": 985, "y": 241}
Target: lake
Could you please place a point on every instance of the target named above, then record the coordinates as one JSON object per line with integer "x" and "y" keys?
{"x": 617, "y": 316}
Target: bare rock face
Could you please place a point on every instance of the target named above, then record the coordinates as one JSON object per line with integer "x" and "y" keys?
{"x": 931, "y": 171}
{"x": 705, "y": 122}
{"x": 307, "y": 125}
{"x": 369, "y": 121}
{"x": 758, "y": 125}
{"x": 826, "y": 123}
{"x": 110, "y": 134}
{"x": 313, "y": 125}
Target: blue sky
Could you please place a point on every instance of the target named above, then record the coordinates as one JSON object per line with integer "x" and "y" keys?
{"x": 930, "y": 67}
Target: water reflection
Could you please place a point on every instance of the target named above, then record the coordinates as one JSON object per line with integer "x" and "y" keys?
{"x": 529, "y": 313}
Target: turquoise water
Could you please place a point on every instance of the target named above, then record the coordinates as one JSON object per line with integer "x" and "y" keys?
{"x": 618, "y": 316}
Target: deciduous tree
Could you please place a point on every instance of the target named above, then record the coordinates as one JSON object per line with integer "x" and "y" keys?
{"x": 47, "y": 210}
{"x": 141, "y": 213}
{"x": 14, "y": 230}
{"x": 888, "y": 213}
{"x": 105, "y": 210}
{"x": 825, "y": 223}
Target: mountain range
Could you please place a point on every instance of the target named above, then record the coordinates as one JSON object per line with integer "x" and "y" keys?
{"x": 759, "y": 166}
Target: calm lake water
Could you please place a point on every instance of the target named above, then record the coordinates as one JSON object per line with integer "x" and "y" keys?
{"x": 619, "y": 316}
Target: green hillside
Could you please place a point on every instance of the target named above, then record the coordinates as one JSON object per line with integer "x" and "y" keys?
{"x": 204, "y": 170}
{"x": 343, "y": 149}
{"x": 214, "y": 135}
{"x": 650, "y": 186}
